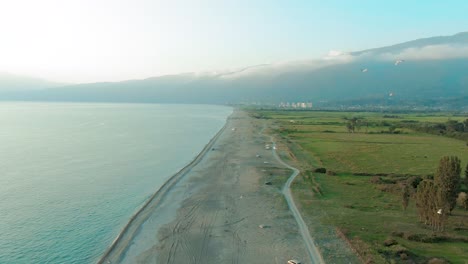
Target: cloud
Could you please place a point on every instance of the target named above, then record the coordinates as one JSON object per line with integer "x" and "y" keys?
{"x": 432, "y": 52}
{"x": 338, "y": 55}
{"x": 332, "y": 58}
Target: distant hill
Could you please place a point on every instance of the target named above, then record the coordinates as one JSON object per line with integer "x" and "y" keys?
{"x": 432, "y": 69}
{"x": 12, "y": 82}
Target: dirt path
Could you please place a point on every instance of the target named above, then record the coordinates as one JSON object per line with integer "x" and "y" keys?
{"x": 312, "y": 249}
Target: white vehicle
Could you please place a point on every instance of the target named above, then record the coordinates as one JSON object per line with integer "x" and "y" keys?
{"x": 293, "y": 261}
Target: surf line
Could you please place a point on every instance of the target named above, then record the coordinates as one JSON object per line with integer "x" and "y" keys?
{"x": 121, "y": 242}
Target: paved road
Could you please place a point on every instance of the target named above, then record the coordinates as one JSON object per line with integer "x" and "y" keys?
{"x": 314, "y": 253}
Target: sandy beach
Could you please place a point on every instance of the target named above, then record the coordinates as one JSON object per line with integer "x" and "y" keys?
{"x": 218, "y": 209}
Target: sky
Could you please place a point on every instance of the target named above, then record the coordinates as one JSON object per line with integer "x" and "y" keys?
{"x": 80, "y": 41}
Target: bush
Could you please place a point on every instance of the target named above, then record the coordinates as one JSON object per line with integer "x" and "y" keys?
{"x": 375, "y": 180}
{"x": 390, "y": 242}
{"x": 363, "y": 174}
{"x": 398, "y": 233}
{"x": 425, "y": 238}
{"x": 403, "y": 256}
{"x": 387, "y": 188}
{"x": 437, "y": 261}
{"x": 320, "y": 170}
{"x": 414, "y": 181}
{"x": 462, "y": 200}
{"x": 394, "y": 250}
{"x": 331, "y": 173}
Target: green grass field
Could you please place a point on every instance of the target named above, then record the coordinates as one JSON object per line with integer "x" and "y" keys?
{"x": 369, "y": 212}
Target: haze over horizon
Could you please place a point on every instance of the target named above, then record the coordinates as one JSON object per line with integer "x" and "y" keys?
{"x": 94, "y": 41}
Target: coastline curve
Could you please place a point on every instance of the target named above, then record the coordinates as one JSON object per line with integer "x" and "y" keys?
{"x": 116, "y": 250}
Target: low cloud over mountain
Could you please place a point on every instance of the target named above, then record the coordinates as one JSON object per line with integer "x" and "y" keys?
{"x": 425, "y": 68}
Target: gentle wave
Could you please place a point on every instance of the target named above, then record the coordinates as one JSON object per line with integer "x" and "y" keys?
{"x": 73, "y": 174}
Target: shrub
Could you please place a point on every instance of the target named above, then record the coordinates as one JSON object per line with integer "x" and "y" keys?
{"x": 462, "y": 200}
{"x": 363, "y": 174}
{"x": 414, "y": 181}
{"x": 375, "y": 180}
{"x": 320, "y": 170}
{"x": 430, "y": 238}
{"x": 398, "y": 233}
{"x": 437, "y": 261}
{"x": 390, "y": 242}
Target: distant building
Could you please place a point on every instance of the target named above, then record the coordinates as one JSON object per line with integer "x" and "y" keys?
{"x": 295, "y": 105}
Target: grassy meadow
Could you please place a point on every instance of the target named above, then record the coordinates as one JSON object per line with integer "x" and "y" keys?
{"x": 366, "y": 210}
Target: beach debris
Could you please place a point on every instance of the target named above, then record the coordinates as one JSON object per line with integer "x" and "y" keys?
{"x": 242, "y": 196}
{"x": 233, "y": 129}
{"x": 397, "y": 62}
{"x": 213, "y": 149}
{"x": 439, "y": 211}
{"x": 364, "y": 70}
{"x": 293, "y": 261}
{"x": 264, "y": 226}
{"x": 258, "y": 156}
{"x": 263, "y": 170}
{"x": 274, "y": 147}
{"x": 268, "y": 183}
{"x": 265, "y": 162}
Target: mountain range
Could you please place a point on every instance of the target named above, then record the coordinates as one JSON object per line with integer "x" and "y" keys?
{"x": 428, "y": 69}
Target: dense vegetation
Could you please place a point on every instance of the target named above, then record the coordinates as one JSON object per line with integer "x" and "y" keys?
{"x": 378, "y": 170}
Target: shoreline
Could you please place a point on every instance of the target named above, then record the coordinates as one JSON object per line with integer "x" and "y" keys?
{"x": 119, "y": 245}
{"x": 226, "y": 208}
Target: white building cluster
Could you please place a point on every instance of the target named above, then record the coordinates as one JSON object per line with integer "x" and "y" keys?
{"x": 297, "y": 105}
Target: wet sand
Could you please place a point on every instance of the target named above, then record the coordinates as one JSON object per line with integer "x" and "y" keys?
{"x": 212, "y": 212}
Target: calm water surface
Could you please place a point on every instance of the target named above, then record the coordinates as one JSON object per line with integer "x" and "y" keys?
{"x": 71, "y": 175}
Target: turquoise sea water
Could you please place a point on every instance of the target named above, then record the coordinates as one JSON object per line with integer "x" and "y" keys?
{"x": 71, "y": 175}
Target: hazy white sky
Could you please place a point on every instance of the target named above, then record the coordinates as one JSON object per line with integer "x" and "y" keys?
{"x": 111, "y": 40}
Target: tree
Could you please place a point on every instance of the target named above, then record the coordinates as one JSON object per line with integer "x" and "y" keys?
{"x": 454, "y": 125}
{"x": 447, "y": 179}
{"x": 353, "y": 124}
{"x": 423, "y": 199}
{"x": 405, "y": 196}
{"x": 429, "y": 202}
{"x": 350, "y": 127}
{"x": 462, "y": 200}
{"x": 465, "y": 125}
{"x": 466, "y": 175}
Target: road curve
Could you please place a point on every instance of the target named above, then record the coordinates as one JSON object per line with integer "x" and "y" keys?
{"x": 313, "y": 251}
